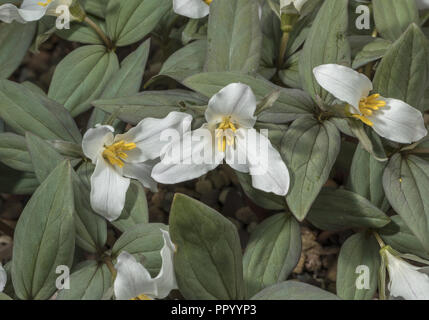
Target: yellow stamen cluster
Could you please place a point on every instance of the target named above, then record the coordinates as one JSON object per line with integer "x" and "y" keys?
{"x": 222, "y": 139}
{"x": 115, "y": 153}
{"x": 142, "y": 297}
{"x": 208, "y": 1}
{"x": 44, "y": 4}
{"x": 367, "y": 106}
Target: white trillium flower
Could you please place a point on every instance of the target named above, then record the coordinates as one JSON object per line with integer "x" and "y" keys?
{"x": 3, "y": 278}
{"x": 228, "y": 135}
{"x": 194, "y": 9}
{"x": 134, "y": 282}
{"x": 31, "y": 10}
{"x": 124, "y": 156}
{"x": 406, "y": 281}
{"x": 298, "y": 4}
{"x": 391, "y": 118}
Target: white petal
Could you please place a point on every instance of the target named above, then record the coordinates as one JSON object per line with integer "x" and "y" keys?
{"x": 151, "y": 134}
{"x": 142, "y": 172}
{"x": 399, "y": 122}
{"x": 3, "y": 278}
{"x": 299, "y": 4}
{"x": 344, "y": 83}
{"x": 194, "y": 9}
{"x": 165, "y": 281}
{"x": 94, "y": 140}
{"x": 235, "y": 100}
{"x": 422, "y": 4}
{"x": 132, "y": 278}
{"x": 9, "y": 13}
{"x": 285, "y": 3}
{"x": 190, "y": 158}
{"x": 406, "y": 281}
{"x": 108, "y": 190}
{"x": 268, "y": 170}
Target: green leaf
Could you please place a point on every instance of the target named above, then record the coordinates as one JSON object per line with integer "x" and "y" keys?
{"x": 263, "y": 199}
{"x": 371, "y": 52}
{"x": 186, "y": 61}
{"x": 327, "y": 46}
{"x": 135, "y": 210}
{"x": 359, "y": 251}
{"x": 272, "y": 253}
{"x": 399, "y": 236}
{"x": 393, "y": 17}
{"x": 208, "y": 261}
{"x": 44, "y": 236}
{"x": 294, "y": 290}
{"x": 14, "y": 153}
{"x": 4, "y": 296}
{"x": 404, "y": 71}
{"x": 82, "y": 76}
{"x": 130, "y": 21}
{"x": 143, "y": 239}
{"x": 366, "y": 177}
{"x": 405, "y": 182}
{"x": 337, "y": 209}
{"x": 234, "y": 36}
{"x": 290, "y": 105}
{"x": 90, "y": 282}
{"x": 290, "y": 76}
{"x": 25, "y": 110}
{"x": 17, "y": 182}
{"x": 82, "y": 33}
{"x": 126, "y": 82}
{"x": 310, "y": 149}
{"x": 95, "y": 7}
{"x": 44, "y": 157}
{"x": 156, "y": 104}
{"x": 15, "y": 39}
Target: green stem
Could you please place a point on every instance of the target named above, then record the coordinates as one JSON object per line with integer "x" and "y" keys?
{"x": 283, "y": 47}
{"x": 111, "y": 267}
{"x": 379, "y": 240}
{"x": 100, "y": 32}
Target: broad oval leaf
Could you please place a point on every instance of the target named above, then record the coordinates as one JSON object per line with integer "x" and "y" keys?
{"x": 358, "y": 266}
{"x": 310, "y": 150}
{"x": 14, "y": 152}
{"x": 81, "y": 77}
{"x": 405, "y": 182}
{"x": 337, "y": 209}
{"x": 234, "y": 36}
{"x": 208, "y": 261}
{"x": 44, "y": 236}
{"x": 272, "y": 253}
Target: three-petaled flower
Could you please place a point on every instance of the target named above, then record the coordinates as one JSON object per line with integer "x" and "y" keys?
{"x": 228, "y": 135}
{"x": 392, "y": 119}
{"x": 124, "y": 156}
{"x": 134, "y": 282}
{"x": 31, "y": 10}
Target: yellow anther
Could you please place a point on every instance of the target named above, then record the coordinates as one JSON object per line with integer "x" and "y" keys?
{"x": 226, "y": 124}
{"x": 44, "y": 4}
{"x": 367, "y": 106}
{"x": 208, "y": 1}
{"x": 142, "y": 297}
{"x": 115, "y": 153}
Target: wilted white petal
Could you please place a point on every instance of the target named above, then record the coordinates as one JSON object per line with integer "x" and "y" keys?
{"x": 267, "y": 168}
{"x": 194, "y": 9}
{"x": 399, "y": 122}
{"x": 3, "y": 278}
{"x": 405, "y": 279}
{"x": 190, "y": 158}
{"x": 235, "y": 100}
{"x": 108, "y": 189}
{"x": 94, "y": 140}
{"x": 344, "y": 83}
{"x": 165, "y": 281}
{"x": 132, "y": 278}
{"x": 150, "y": 135}
{"x": 142, "y": 172}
